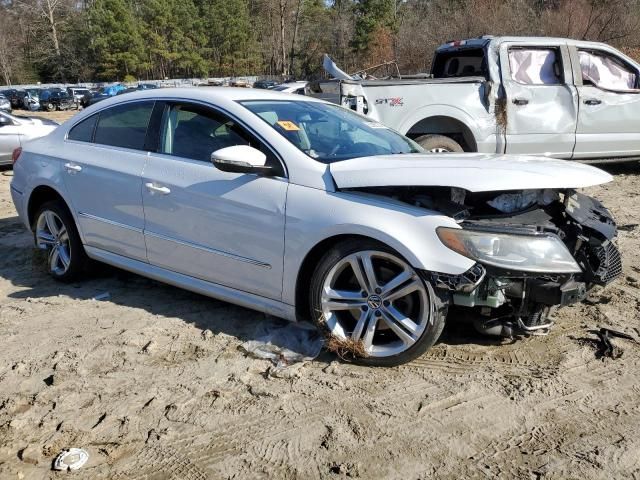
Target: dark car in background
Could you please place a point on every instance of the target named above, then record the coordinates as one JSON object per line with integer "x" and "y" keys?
{"x": 11, "y": 94}
{"x": 147, "y": 86}
{"x": 266, "y": 84}
{"x": 51, "y": 100}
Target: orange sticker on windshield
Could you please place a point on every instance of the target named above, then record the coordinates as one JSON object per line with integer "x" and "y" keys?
{"x": 289, "y": 126}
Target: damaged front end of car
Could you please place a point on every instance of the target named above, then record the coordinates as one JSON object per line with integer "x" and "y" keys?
{"x": 534, "y": 250}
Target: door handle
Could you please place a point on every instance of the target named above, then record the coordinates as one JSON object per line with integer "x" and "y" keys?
{"x": 71, "y": 168}
{"x": 155, "y": 189}
{"x": 520, "y": 101}
{"x": 592, "y": 101}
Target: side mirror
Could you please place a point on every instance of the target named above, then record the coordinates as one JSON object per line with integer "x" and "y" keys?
{"x": 241, "y": 159}
{"x": 5, "y": 121}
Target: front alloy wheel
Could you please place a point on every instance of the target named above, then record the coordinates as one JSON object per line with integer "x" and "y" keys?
{"x": 372, "y": 298}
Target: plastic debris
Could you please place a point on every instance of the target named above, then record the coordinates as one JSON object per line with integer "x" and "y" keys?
{"x": 516, "y": 202}
{"x": 103, "y": 296}
{"x": 607, "y": 348}
{"x": 285, "y": 343}
{"x": 70, "y": 459}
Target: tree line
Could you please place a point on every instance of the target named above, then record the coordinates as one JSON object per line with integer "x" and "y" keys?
{"x": 116, "y": 40}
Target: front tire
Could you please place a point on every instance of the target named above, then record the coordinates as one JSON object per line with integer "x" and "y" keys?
{"x": 374, "y": 307}
{"x": 439, "y": 144}
{"x": 55, "y": 232}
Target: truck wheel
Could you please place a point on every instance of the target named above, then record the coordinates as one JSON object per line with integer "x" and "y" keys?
{"x": 50, "y": 107}
{"x": 439, "y": 144}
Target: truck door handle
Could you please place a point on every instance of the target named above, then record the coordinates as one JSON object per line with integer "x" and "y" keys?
{"x": 72, "y": 168}
{"x": 520, "y": 101}
{"x": 592, "y": 101}
{"x": 155, "y": 189}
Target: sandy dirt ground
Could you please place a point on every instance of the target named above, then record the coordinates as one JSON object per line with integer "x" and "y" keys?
{"x": 152, "y": 383}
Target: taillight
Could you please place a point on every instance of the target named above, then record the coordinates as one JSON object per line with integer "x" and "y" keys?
{"x": 16, "y": 155}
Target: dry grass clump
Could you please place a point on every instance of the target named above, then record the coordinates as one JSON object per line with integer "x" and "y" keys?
{"x": 346, "y": 348}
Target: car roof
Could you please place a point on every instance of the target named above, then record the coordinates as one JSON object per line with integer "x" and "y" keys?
{"x": 214, "y": 94}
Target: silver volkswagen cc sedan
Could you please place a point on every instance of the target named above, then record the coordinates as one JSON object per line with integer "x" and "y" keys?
{"x": 305, "y": 210}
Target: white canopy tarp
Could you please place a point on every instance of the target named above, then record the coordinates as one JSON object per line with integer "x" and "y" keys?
{"x": 605, "y": 72}
{"x": 533, "y": 67}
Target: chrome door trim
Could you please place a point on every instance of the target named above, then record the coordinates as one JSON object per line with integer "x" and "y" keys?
{"x": 110, "y": 222}
{"x": 257, "y": 263}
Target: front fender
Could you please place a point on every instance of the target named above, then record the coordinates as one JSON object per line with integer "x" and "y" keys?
{"x": 315, "y": 215}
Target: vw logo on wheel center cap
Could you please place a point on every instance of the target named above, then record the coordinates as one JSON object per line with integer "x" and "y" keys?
{"x": 374, "y": 301}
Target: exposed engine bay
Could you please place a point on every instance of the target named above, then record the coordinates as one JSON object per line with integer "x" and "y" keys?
{"x": 516, "y": 237}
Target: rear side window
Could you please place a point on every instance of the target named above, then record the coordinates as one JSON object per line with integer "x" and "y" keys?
{"x": 124, "y": 125}
{"x": 460, "y": 63}
{"x": 536, "y": 66}
{"x": 83, "y": 131}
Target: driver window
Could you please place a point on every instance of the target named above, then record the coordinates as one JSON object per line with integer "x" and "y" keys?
{"x": 606, "y": 71}
{"x": 537, "y": 66}
{"x": 195, "y": 132}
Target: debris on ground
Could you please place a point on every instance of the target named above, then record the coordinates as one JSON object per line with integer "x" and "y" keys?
{"x": 346, "y": 348}
{"x": 70, "y": 459}
{"x": 207, "y": 334}
{"x": 607, "y": 348}
{"x": 285, "y": 343}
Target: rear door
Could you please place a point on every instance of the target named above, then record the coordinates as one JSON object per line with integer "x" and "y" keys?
{"x": 541, "y": 109}
{"x": 103, "y": 162}
{"x": 609, "y": 114}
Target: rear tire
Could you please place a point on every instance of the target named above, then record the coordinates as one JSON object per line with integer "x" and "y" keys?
{"x": 50, "y": 107}
{"x": 376, "y": 324}
{"x": 55, "y": 232}
{"x": 439, "y": 144}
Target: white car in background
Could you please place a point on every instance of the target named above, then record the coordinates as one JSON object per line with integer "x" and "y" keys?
{"x": 15, "y": 131}
{"x": 291, "y": 87}
{"x": 306, "y": 210}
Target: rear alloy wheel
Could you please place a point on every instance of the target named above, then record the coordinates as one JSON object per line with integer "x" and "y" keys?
{"x": 50, "y": 107}
{"x": 439, "y": 144}
{"x": 55, "y": 232}
{"x": 375, "y": 305}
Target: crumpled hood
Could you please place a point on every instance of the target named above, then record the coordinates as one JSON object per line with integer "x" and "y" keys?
{"x": 472, "y": 172}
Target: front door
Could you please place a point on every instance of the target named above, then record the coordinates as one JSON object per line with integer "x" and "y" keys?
{"x": 541, "y": 102}
{"x": 226, "y": 228}
{"x": 102, "y": 171}
{"x": 609, "y": 115}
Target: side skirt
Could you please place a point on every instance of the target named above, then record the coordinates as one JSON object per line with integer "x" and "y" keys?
{"x": 219, "y": 292}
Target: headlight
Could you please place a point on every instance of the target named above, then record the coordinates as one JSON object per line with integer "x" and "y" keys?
{"x": 525, "y": 253}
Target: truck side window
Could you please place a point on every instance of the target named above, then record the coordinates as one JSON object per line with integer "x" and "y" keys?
{"x": 606, "y": 71}
{"x": 536, "y": 66}
{"x": 460, "y": 63}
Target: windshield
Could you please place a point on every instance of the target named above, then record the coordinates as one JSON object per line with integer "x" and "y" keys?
{"x": 329, "y": 133}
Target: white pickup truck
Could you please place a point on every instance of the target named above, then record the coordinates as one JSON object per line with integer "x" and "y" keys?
{"x": 545, "y": 96}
